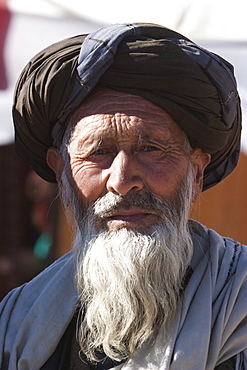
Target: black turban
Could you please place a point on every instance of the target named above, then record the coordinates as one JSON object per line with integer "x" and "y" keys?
{"x": 196, "y": 87}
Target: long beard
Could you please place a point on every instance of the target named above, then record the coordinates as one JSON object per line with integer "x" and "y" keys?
{"x": 130, "y": 281}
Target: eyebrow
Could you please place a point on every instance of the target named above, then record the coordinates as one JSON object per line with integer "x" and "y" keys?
{"x": 91, "y": 141}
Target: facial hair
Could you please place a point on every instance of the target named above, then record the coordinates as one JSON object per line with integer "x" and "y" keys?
{"x": 129, "y": 281}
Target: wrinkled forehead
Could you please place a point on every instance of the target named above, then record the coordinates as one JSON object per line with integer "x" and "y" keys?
{"x": 112, "y": 113}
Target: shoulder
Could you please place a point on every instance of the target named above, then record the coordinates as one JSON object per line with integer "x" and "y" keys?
{"x": 224, "y": 259}
{"x": 29, "y": 312}
{"x": 219, "y": 250}
{"x": 220, "y": 281}
{"x": 47, "y": 282}
{"x": 29, "y": 292}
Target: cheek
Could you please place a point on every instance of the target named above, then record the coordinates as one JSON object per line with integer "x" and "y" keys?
{"x": 89, "y": 184}
{"x": 164, "y": 180}
{"x": 161, "y": 183}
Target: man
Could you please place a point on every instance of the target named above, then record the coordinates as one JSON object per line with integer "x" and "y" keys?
{"x": 133, "y": 122}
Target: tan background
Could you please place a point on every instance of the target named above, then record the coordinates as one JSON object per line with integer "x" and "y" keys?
{"x": 224, "y": 207}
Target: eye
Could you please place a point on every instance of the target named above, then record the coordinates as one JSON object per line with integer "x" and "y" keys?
{"x": 150, "y": 148}
{"x": 99, "y": 152}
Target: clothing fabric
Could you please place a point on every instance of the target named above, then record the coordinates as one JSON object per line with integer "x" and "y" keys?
{"x": 196, "y": 87}
{"x": 69, "y": 356}
{"x": 210, "y": 326}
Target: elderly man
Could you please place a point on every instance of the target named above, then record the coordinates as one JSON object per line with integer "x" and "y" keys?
{"x": 133, "y": 122}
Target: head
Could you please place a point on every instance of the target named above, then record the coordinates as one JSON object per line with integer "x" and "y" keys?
{"x": 196, "y": 87}
{"x": 129, "y": 175}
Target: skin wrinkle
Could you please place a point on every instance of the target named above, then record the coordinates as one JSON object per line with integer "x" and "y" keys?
{"x": 126, "y": 142}
{"x": 139, "y": 145}
{"x": 176, "y": 150}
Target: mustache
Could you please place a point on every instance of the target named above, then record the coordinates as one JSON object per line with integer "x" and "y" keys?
{"x": 144, "y": 200}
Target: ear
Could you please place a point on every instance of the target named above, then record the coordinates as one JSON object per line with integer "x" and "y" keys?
{"x": 199, "y": 161}
{"x": 55, "y": 162}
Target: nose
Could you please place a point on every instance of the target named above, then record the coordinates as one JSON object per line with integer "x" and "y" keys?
{"x": 124, "y": 174}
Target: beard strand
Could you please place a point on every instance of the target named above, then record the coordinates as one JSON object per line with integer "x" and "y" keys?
{"x": 129, "y": 281}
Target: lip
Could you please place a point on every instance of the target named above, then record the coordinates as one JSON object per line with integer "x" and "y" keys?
{"x": 131, "y": 216}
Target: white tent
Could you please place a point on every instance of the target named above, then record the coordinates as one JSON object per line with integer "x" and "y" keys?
{"x": 34, "y": 24}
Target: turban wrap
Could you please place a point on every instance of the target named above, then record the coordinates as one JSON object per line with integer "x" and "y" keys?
{"x": 196, "y": 87}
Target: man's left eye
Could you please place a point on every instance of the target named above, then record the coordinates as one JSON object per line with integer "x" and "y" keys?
{"x": 150, "y": 148}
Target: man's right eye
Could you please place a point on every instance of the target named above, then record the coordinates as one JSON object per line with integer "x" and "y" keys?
{"x": 99, "y": 152}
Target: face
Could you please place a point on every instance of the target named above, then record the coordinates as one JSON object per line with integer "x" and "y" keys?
{"x": 124, "y": 144}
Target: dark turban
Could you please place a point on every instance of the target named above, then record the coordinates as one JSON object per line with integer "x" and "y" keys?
{"x": 196, "y": 87}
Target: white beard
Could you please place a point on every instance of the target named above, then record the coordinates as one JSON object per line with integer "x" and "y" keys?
{"x": 129, "y": 282}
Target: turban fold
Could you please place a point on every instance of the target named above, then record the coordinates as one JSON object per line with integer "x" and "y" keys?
{"x": 196, "y": 87}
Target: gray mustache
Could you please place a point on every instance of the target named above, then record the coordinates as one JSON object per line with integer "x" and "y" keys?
{"x": 143, "y": 200}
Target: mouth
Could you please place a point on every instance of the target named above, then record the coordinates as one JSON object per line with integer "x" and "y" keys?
{"x": 131, "y": 218}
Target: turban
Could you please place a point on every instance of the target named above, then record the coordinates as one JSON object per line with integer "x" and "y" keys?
{"x": 195, "y": 86}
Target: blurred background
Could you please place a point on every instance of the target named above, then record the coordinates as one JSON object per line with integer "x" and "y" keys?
{"x": 33, "y": 228}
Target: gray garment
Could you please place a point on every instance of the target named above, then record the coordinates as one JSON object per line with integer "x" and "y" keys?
{"x": 210, "y": 327}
